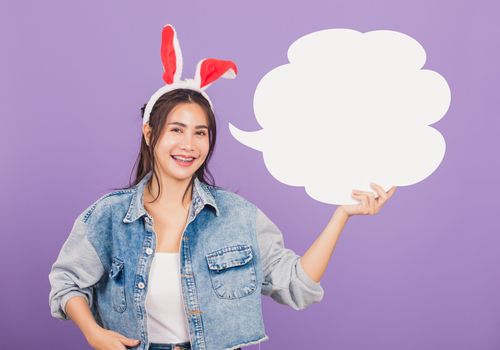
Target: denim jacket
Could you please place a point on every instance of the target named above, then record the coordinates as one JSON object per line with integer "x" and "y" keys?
{"x": 230, "y": 254}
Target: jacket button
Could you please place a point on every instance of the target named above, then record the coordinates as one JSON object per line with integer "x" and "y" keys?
{"x": 149, "y": 251}
{"x": 141, "y": 285}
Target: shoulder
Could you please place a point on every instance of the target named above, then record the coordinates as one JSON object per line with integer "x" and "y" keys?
{"x": 235, "y": 202}
{"x": 110, "y": 204}
{"x": 224, "y": 195}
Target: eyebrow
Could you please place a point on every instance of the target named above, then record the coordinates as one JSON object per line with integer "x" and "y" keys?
{"x": 184, "y": 125}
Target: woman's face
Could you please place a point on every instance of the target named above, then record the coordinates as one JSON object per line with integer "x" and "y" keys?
{"x": 183, "y": 144}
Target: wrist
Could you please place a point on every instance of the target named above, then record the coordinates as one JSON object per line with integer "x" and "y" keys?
{"x": 341, "y": 213}
{"x": 90, "y": 331}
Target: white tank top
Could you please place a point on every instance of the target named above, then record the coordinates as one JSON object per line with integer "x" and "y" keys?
{"x": 167, "y": 321}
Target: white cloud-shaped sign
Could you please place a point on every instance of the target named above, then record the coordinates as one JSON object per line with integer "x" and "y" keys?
{"x": 349, "y": 109}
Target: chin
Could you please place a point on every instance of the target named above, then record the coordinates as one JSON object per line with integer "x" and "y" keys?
{"x": 182, "y": 176}
{"x": 179, "y": 176}
{"x": 177, "y": 173}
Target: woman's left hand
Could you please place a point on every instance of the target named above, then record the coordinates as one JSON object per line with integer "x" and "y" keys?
{"x": 368, "y": 205}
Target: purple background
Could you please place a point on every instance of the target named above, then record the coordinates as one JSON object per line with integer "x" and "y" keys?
{"x": 422, "y": 274}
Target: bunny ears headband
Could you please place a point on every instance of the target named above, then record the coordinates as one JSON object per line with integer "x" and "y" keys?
{"x": 208, "y": 70}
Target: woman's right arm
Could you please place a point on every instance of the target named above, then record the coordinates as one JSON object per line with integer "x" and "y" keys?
{"x": 72, "y": 278}
{"x": 76, "y": 270}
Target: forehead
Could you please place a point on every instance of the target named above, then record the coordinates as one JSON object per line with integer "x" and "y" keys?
{"x": 188, "y": 113}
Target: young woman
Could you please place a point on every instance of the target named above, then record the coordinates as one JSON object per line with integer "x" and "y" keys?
{"x": 174, "y": 262}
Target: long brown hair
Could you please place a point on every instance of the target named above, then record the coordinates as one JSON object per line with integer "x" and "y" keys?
{"x": 145, "y": 161}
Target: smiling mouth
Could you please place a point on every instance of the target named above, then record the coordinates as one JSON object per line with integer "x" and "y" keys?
{"x": 184, "y": 162}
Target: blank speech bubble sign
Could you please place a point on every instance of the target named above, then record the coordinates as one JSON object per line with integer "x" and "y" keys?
{"x": 349, "y": 109}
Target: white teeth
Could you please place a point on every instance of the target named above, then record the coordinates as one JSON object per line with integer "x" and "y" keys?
{"x": 183, "y": 159}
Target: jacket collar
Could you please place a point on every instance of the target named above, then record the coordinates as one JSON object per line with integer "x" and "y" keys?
{"x": 201, "y": 196}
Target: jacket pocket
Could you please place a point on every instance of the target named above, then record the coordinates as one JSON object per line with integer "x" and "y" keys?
{"x": 117, "y": 280}
{"x": 232, "y": 271}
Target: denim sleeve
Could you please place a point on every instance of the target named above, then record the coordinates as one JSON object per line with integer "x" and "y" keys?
{"x": 284, "y": 278}
{"x": 75, "y": 271}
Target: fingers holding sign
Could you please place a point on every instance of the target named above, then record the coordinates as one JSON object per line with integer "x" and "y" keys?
{"x": 369, "y": 204}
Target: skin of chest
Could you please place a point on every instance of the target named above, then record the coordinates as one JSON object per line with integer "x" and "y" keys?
{"x": 168, "y": 225}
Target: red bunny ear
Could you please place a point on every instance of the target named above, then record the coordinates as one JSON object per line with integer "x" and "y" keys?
{"x": 211, "y": 69}
{"x": 171, "y": 55}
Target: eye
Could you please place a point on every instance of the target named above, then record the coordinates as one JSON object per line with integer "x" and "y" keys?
{"x": 176, "y": 129}
{"x": 202, "y": 133}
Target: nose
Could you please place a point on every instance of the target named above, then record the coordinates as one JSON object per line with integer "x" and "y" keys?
{"x": 187, "y": 142}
